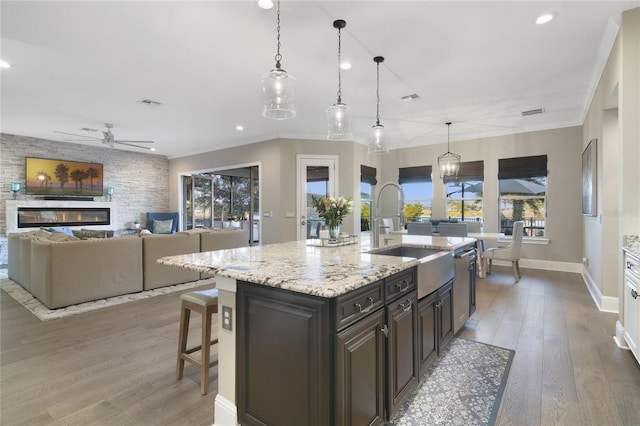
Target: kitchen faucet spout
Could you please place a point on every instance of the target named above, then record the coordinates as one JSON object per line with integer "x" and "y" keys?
{"x": 376, "y": 220}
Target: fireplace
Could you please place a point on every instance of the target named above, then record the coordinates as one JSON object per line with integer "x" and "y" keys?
{"x": 27, "y": 215}
{"x": 30, "y": 217}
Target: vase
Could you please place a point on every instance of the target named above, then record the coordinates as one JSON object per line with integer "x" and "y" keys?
{"x": 334, "y": 232}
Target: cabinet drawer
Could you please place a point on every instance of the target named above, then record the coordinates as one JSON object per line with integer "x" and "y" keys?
{"x": 399, "y": 284}
{"x": 632, "y": 267}
{"x": 357, "y": 304}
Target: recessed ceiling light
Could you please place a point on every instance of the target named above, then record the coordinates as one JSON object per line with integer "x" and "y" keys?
{"x": 345, "y": 66}
{"x": 152, "y": 149}
{"x": 545, "y": 18}
{"x": 4, "y": 64}
{"x": 265, "y": 4}
{"x": 239, "y": 128}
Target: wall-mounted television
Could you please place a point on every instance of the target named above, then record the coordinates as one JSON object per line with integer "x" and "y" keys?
{"x": 63, "y": 178}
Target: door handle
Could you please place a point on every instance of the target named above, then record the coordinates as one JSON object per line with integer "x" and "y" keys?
{"x": 303, "y": 222}
{"x": 368, "y": 308}
{"x": 406, "y": 308}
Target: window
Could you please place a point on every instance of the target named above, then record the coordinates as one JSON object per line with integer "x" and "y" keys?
{"x": 418, "y": 193}
{"x": 464, "y": 193}
{"x": 522, "y": 185}
{"x": 367, "y": 181}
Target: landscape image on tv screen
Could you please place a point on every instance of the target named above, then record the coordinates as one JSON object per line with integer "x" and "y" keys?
{"x": 63, "y": 178}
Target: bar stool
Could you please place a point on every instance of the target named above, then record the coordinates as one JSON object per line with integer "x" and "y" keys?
{"x": 206, "y": 303}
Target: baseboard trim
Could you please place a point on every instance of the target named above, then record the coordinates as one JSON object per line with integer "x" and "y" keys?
{"x": 604, "y": 303}
{"x": 226, "y": 413}
{"x": 619, "y": 337}
{"x": 549, "y": 265}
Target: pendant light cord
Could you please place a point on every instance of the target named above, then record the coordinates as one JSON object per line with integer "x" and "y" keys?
{"x": 278, "y": 56}
{"x": 448, "y": 143}
{"x": 377, "y": 93}
{"x": 339, "y": 74}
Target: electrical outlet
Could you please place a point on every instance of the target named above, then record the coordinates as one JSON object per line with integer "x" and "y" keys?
{"x": 227, "y": 318}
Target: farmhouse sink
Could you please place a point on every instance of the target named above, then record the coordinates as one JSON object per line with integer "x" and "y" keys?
{"x": 403, "y": 251}
{"x": 435, "y": 269}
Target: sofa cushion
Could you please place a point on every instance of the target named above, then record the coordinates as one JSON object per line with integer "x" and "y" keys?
{"x": 163, "y": 226}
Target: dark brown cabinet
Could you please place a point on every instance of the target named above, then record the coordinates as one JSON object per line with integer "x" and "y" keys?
{"x": 307, "y": 360}
{"x": 402, "y": 349}
{"x": 435, "y": 324}
{"x": 283, "y": 357}
{"x": 360, "y": 366}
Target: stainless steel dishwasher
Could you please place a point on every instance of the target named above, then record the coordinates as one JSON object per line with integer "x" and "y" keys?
{"x": 464, "y": 286}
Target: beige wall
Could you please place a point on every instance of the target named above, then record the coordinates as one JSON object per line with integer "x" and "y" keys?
{"x": 277, "y": 159}
{"x": 564, "y": 150}
{"x": 278, "y": 175}
{"x": 613, "y": 119}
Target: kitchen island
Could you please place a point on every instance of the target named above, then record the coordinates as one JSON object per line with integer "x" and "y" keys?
{"x": 319, "y": 335}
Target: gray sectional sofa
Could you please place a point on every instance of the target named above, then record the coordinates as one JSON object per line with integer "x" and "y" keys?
{"x": 60, "y": 270}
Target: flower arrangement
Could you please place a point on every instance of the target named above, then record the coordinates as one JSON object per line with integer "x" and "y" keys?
{"x": 332, "y": 210}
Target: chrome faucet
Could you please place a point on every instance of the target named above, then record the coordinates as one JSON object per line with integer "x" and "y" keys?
{"x": 376, "y": 221}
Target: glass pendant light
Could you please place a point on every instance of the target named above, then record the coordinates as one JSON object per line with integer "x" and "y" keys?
{"x": 339, "y": 114}
{"x": 277, "y": 87}
{"x": 377, "y": 142}
{"x": 449, "y": 163}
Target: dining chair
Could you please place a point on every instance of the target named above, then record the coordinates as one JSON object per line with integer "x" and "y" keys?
{"x": 453, "y": 229}
{"x": 474, "y": 226}
{"x": 417, "y": 228}
{"x": 511, "y": 252}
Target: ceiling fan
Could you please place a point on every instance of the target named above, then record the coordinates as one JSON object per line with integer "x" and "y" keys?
{"x": 108, "y": 139}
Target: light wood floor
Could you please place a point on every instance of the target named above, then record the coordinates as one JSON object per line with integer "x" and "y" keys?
{"x": 116, "y": 366}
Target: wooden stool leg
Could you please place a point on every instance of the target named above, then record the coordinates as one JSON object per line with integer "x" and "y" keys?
{"x": 185, "y": 315}
{"x": 206, "y": 350}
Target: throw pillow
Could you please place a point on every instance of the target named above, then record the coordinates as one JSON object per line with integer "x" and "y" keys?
{"x": 162, "y": 226}
{"x": 85, "y": 234}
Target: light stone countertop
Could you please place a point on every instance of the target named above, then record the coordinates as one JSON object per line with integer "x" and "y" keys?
{"x": 632, "y": 244}
{"x": 306, "y": 268}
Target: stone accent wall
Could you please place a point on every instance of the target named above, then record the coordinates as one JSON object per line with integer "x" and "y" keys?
{"x": 140, "y": 180}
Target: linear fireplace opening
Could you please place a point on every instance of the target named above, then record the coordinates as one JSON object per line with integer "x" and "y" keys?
{"x": 32, "y": 217}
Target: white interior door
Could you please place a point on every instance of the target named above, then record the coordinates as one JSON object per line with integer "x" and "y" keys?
{"x": 318, "y": 176}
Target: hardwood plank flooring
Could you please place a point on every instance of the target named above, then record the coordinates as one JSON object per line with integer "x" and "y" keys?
{"x": 116, "y": 366}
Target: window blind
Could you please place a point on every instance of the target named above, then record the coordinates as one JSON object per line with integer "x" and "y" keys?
{"x": 368, "y": 174}
{"x": 522, "y": 167}
{"x": 469, "y": 171}
{"x": 414, "y": 174}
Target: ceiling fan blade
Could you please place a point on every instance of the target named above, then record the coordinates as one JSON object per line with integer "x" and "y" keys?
{"x": 80, "y": 136}
{"x": 130, "y": 144}
{"x": 126, "y": 141}
{"x": 81, "y": 140}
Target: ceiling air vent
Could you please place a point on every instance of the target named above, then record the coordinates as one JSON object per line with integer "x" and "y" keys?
{"x": 410, "y": 98}
{"x": 150, "y": 102}
{"x": 533, "y": 112}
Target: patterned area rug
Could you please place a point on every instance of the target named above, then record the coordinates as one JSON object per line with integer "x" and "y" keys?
{"x": 45, "y": 314}
{"x": 463, "y": 387}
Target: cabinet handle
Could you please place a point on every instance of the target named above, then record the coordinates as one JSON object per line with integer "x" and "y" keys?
{"x": 634, "y": 294}
{"x": 405, "y": 283}
{"x": 385, "y": 330}
{"x": 368, "y": 308}
{"x": 406, "y": 308}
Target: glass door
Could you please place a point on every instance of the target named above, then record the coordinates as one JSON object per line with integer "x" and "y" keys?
{"x": 317, "y": 176}
{"x": 197, "y": 201}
